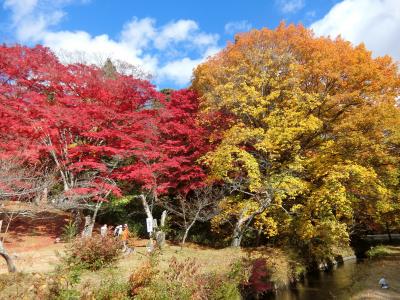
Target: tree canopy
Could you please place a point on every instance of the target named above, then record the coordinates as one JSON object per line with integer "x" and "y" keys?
{"x": 312, "y": 128}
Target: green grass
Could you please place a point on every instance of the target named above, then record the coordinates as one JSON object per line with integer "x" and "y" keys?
{"x": 380, "y": 251}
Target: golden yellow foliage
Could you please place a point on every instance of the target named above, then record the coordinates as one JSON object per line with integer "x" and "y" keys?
{"x": 313, "y": 125}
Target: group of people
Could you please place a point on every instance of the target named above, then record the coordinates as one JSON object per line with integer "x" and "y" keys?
{"x": 120, "y": 231}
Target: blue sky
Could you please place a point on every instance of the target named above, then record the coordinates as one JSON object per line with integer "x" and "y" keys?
{"x": 169, "y": 38}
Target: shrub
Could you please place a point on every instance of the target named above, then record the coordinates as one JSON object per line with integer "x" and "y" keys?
{"x": 69, "y": 231}
{"x": 163, "y": 290}
{"x": 112, "y": 289}
{"x": 378, "y": 251}
{"x": 144, "y": 275}
{"x": 227, "y": 286}
{"x": 226, "y": 291}
{"x": 93, "y": 252}
{"x": 180, "y": 281}
{"x": 260, "y": 277}
{"x": 136, "y": 229}
{"x": 259, "y": 280}
{"x": 58, "y": 285}
{"x": 183, "y": 281}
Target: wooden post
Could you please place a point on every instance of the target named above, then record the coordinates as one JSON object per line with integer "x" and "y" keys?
{"x": 160, "y": 234}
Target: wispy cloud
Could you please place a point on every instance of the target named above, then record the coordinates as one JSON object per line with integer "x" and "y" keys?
{"x": 290, "y": 6}
{"x": 237, "y": 26}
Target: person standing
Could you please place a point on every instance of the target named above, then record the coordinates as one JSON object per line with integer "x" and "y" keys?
{"x": 103, "y": 230}
{"x": 124, "y": 237}
{"x": 118, "y": 231}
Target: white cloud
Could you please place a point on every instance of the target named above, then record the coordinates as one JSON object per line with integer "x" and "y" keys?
{"x": 79, "y": 45}
{"x": 30, "y": 18}
{"x": 205, "y": 39}
{"x": 179, "y": 71}
{"x": 20, "y": 8}
{"x": 290, "y": 6}
{"x": 138, "y": 33}
{"x": 374, "y": 22}
{"x": 160, "y": 50}
{"x": 238, "y": 26}
{"x": 175, "y": 32}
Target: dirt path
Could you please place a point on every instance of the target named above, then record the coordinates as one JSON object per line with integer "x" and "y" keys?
{"x": 31, "y": 241}
{"x": 34, "y": 260}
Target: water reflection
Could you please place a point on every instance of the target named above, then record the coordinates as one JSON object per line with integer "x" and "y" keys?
{"x": 335, "y": 284}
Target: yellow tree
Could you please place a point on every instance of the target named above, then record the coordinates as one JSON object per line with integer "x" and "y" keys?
{"x": 309, "y": 120}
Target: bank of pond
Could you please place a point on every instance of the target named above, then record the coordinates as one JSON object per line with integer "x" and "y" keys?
{"x": 353, "y": 278}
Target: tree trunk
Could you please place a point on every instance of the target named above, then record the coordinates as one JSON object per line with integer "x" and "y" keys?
{"x": 190, "y": 226}
{"x": 93, "y": 220}
{"x": 77, "y": 218}
{"x": 187, "y": 232}
{"x": 388, "y": 232}
{"x": 149, "y": 215}
{"x": 36, "y": 200}
{"x": 259, "y": 231}
{"x": 237, "y": 237}
{"x": 146, "y": 207}
{"x": 244, "y": 222}
{"x": 86, "y": 227}
{"x": 239, "y": 230}
{"x": 8, "y": 259}
{"x": 41, "y": 197}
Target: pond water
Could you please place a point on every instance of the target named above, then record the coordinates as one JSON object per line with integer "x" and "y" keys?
{"x": 335, "y": 284}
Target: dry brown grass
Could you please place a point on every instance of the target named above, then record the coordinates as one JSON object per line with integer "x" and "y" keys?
{"x": 217, "y": 261}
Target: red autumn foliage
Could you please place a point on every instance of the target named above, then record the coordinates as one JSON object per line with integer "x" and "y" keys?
{"x": 259, "y": 278}
{"x": 85, "y": 122}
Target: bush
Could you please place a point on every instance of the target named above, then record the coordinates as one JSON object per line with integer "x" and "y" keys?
{"x": 227, "y": 286}
{"x": 144, "y": 275}
{"x": 69, "y": 231}
{"x": 258, "y": 281}
{"x": 183, "y": 281}
{"x": 112, "y": 289}
{"x": 260, "y": 277}
{"x": 378, "y": 251}
{"x": 177, "y": 282}
{"x": 226, "y": 291}
{"x": 58, "y": 285}
{"x": 136, "y": 229}
{"x": 93, "y": 252}
{"x": 180, "y": 281}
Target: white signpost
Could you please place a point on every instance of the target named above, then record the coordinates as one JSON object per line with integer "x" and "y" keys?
{"x": 149, "y": 225}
